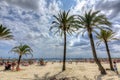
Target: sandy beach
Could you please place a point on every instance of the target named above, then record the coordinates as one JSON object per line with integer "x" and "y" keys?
{"x": 80, "y": 71}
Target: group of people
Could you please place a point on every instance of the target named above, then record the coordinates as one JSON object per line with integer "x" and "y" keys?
{"x": 9, "y": 65}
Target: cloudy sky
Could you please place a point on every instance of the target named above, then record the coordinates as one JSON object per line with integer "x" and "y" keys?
{"x": 30, "y": 20}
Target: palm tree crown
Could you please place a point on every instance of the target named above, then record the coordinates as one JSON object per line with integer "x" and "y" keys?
{"x": 22, "y": 49}
{"x": 92, "y": 20}
{"x": 64, "y": 22}
{"x": 5, "y": 33}
{"x": 106, "y": 35}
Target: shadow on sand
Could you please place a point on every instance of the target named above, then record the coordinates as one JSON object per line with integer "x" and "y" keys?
{"x": 47, "y": 77}
{"x": 99, "y": 77}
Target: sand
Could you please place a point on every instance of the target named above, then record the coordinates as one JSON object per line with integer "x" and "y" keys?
{"x": 81, "y": 71}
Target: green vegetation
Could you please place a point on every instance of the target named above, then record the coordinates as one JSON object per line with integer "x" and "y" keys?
{"x": 106, "y": 36}
{"x": 5, "y": 33}
{"x": 21, "y": 50}
{"x": 91, "y": 21}
{"x": 64, "y": 23}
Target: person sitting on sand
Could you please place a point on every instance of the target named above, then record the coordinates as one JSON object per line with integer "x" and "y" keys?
{"x": 41, "y": 62}
{"x": 115, "y": 67}
{"x": 7, "y": 66}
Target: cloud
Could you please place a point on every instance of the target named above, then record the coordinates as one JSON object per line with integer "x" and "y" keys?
{"x": 54, "y": 6}
{"x": 30, "y": 24}
{"x": 82, "y": 6}
{"x": 75, "y": 42}
{"x": 111, "y": 7}
{"x": 28, "y": 4}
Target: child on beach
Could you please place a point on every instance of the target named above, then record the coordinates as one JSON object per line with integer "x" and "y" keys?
{"x": 115, "y": 67}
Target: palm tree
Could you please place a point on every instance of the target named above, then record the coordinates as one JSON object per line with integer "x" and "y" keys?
{"x": 91, "y": 21}
{"x": 106, "y": 36}
{"x": 65, "y": 24}
{"x": 21, "y": 50}
{"x": 5, "y": 33}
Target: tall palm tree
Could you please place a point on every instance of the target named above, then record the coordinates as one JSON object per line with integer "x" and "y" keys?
{"x": 5, "y": 33}
{"x": 106, "y": 36}
{"x": 21, "y": 50}
{"x": 64, "y": 24}
{"x": 91, "y": 21}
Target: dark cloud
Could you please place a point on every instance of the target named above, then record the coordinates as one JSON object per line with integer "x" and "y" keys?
{"x": 81, "y": 43}
{"x": 1, "y": 0}
{"x": 102, "y": 47}
{"x": 113, "y": 5}
{"x": 29, "y": 4}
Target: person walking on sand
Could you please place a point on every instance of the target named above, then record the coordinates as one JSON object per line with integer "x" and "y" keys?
{"x": 115, "y": 67}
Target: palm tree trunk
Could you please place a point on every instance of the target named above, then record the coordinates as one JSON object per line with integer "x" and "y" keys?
{"x": 17, "y": 68}
{"x": 64, "y": 56}
{"x": 95, "y": 55}
{"x": 109, "y": 56}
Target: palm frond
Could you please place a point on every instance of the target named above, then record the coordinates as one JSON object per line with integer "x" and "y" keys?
{"x": 5, "y": 33}
{"x": 106, "y": 35}
{"x": 22, "y": 49}
{"x": 65, "y": 22}
{"x": 98, "y": 43}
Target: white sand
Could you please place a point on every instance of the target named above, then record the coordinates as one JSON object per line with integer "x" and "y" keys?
{"x": 81, "y": 71}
